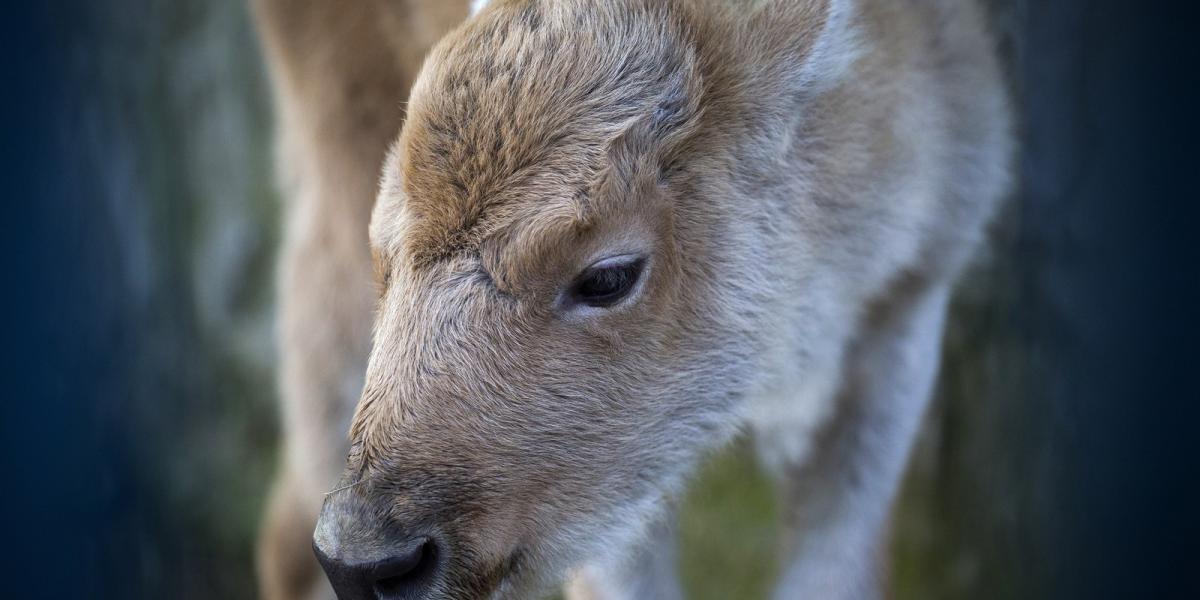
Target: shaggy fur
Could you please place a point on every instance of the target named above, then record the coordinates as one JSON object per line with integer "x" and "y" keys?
{"x": 805, "y": 179}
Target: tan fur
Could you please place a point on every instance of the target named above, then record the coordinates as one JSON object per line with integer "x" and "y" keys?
{"x": 805, "y": 179}
{"x": 340, "y": 78}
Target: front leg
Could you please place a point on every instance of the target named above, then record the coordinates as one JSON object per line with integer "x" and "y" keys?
{"x": 648, "y": 571}
{"x": 839, "y": 499}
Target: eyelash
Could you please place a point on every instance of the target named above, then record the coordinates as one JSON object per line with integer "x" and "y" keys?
{"x": 606, "y": 285}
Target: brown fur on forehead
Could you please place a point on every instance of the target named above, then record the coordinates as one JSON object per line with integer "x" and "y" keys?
{"x": 522, "y": 106}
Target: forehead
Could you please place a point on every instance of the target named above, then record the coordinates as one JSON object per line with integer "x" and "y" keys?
{"x": 513, "y": 114}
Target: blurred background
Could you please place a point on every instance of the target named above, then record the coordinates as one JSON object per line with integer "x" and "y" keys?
{"x": 138, "y": 425}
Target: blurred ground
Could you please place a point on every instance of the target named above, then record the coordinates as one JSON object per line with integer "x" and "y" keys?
{"x": 180, "y": 123}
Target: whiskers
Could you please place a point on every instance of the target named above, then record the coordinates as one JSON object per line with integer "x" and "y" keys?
{"x": 345, "y": 487}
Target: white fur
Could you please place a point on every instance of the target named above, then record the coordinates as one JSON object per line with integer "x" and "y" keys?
{"x": 836, "y": 536}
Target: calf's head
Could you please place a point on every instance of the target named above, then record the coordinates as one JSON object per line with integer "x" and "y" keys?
{"x": 561, "y": 324}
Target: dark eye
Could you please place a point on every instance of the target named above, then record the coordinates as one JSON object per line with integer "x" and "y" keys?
{"x": 607, "y": 282}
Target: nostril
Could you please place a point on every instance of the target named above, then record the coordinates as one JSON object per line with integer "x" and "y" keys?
{"x": 402, "y": 575}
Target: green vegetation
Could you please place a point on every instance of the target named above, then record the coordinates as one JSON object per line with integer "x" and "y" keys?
{"x": 728, "y": 530}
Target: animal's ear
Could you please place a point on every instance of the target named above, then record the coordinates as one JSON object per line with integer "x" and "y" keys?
{"x": 806, "y": 44}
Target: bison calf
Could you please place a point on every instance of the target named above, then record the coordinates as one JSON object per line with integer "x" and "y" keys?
{"x": 611, "y": 235}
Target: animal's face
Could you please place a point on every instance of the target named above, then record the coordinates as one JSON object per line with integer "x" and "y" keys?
{"x": 518, "y": 401}
{"x": 553, "y": 345}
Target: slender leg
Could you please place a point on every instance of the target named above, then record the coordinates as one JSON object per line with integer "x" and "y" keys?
{"x": 647, "y": 572}
{"x": 839, "y": 500}
{"x": 341, "y": 71}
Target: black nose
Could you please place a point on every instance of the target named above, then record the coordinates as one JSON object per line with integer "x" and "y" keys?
{"x": 403, "y": 575}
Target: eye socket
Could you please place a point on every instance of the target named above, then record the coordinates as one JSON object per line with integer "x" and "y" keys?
{"x": 607, "y": 282}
